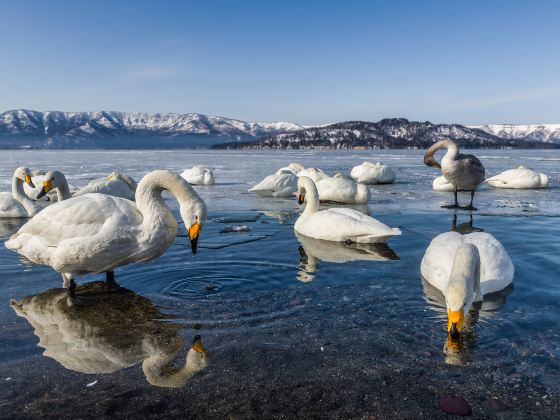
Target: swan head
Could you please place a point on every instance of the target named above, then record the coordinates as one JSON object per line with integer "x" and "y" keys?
{"x": 460, "y": 292}
{"x": 53, "y": 180}
{"x": 430, "y": 160}
{"x": 295, "y": 167}
{"x": 194, "y": 215}
{"x": 124, "y": 178}
{"x": 24, "y": 174}
{"x": 303, "y": 184}
{"x": 197, "y": 356}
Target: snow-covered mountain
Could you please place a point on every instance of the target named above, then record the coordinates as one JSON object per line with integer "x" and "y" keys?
{"x": 539, "y": 132}
{"x": 387, "y": 133}
{"x": 111, "y": 129}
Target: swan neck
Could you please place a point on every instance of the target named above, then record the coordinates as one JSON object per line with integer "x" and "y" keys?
{"x": 452, "y": 150}
{"x": 19, "y": 194}
{"x": 311, "y": 196}
{"x": 63, "y": 191}
{"x": 159, "y": 371}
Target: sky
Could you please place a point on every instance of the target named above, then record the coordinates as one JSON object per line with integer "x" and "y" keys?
{"x": 308, "y": 62}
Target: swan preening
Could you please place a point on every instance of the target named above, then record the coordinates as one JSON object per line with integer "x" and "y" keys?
{"x": 521, "y": 177}
{"x": 337, "y": 224}
{"x": 17, "y": 204}
{"x": 283, "y": 183}
{"x": 116, "y": 184}
{"x": 373, "y": 173}
{"x": 199, "y": 175}
{"x": 87, "y": 339}
{"x": 96, "y": 233}
{"x": 465, "y": 172}
{"x": 465, "y": 268}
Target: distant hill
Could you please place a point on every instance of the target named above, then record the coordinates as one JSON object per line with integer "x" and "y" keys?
{"x": 117, "y": 130}
{"x": 393, "y": 133}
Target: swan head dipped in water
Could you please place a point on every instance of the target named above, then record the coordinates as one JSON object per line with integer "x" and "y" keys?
{"x": 463, "y": 288}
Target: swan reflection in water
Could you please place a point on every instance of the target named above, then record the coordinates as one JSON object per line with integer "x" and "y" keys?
{"x": 481, "y": 281}
{"x": 312, "y": 251}
{"x": 105, "y": 331}
{"x": 10, "y": 226}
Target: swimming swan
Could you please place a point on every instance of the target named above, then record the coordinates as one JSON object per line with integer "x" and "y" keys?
{"x": 17, "y": 204}
{"x": 199, "y": 175}
{"x": 116, "y": 184}
{"x": 87, "y": 338}
{"x": 283, "y": 183}
{"x": 339, "y": 189}
{"x": 465, "y": 172}
{"x": 465, "y": 268}
{"x": 55, "y": 181}
{"x": 522, "y": 177}
{"x": 373, "y": 173}
{"x": 337, "y": 224}
{"x": 94, "y": 233}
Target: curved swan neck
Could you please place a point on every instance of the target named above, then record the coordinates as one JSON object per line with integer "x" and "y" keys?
{"x": 311, "y": 195}
{"x": 464, "y": 280}
{"x": 452, "y": 150}
{"x": 63, "y": 191}
{"x": 19, "y": 194}
{"x": 159, "y": 370}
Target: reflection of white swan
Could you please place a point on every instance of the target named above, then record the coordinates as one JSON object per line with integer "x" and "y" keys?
{"x": 17, "y": 204}
{"x": 97, "y": 232}
{"x": 465, "y": 172}
{"x": 110, "y": 331}
{"x": 339, "y": 189}
{"x": 522, "y": 177}
{"x": 465, "y": 268}
{"x": 373, "y": 173}
{"x": 281, "y": 184}
{"x": 199, "y": 175}
{"x": 116, "y": 184}
{"x": 337, "y": 224}
{"x": 443, "y": 185}
{"x": 9, "y": 226}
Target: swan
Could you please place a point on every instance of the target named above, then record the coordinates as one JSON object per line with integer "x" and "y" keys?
{"x": 37, "y": 178}
{"x": 110, "y": 331}
{"x": 337, "y": 224}
{"x": 283, "y": 183}
{"x": 116, "y": 184}
{"x": 339, "y": 189}
{"x": 522, "y": 177}
{"x": 315, "y": 174}
{"x": 96, "y": 233}
{"x": 442, "y": 185}
{"x": 373, "y": 173}
{"x": 17, "y": 204}
{"x": 465, "y": 172}
{"x": 294, "y": 167}
{"x": 55, "y": 181}
{"x": 465, "y": 268}
{"x": 199, "y": 175}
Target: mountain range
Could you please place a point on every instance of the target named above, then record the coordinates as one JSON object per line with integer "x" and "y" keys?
{"x": 121, "y": 130}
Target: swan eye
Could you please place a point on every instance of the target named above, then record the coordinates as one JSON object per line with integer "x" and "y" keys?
{"x": 52, "y": 179}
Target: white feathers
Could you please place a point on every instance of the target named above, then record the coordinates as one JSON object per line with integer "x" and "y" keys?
{"x": 373, "y": 173}
{"x": 199, "y": 175}
{"x": 521, "y": 177}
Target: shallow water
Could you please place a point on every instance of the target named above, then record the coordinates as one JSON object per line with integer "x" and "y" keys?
{"x": 286, "y": 333}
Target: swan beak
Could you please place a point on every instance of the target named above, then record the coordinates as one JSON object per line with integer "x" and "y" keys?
{"x": 433, "y": 163}
{"x": 29, "y": 182}
{"x": 47, "y": 186}
{"x": 194, "y": 232}
{"x": 301, "y": 198}
{"x": 455, "y": 321}
{"x": 109, "y": 178}
{"x": 197, "y": 345}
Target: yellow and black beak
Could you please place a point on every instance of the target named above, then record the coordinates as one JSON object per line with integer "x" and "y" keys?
{"x": 301, "y": 198}
{"x": 194, "y": 232}
{"x": 197, "y": 345}
{"x": 455, "y": 320}
{"x": 28, "y": 181}
{"x": 47, "y": 186}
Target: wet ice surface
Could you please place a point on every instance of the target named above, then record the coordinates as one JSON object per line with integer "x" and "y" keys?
{"x": 287, "y": 333}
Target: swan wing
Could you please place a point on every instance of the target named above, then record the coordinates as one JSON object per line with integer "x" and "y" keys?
{"x": 279, "y": 184}
{"x": 114, "y": 187}
{"x": 10, "y": 207}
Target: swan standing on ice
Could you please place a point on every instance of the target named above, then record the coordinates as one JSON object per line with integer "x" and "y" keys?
{"x": 337, "y": 224}
{"x": 281, "y": 184}
{"x": 97, "y": 233}
{"x": 116, "y": 184}
{"x": 17, "y": 204}
{"x": 373, "y": 173}
{"x": 199, "y": 175}
{"x": 465, "y": 268}
{"x": 522, "y": 177}
{"x": 465, "y": 172}
{"x": 339, "y": 189}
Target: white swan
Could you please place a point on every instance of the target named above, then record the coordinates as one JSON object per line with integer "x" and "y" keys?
{"x": 199, "y": 175}
{"x": 315, "y": 174}
{"x": 465, "y": 172}
{"x": 17, "y": 204}
{"x": 337, "y": 224}
{"x": 97, "y": 232}
{"x": 373, "y": 173}
{"x": 442, "y": 185}
{"x": 116, "y": 184}
{"x": 281, "y": 184}
{"x": 339, "y": 189}
{"x": 465, "y": 268}
{"x": 55, "y": 181}
{"x": 294, "y": 167}
{"x": 522, "y": 177}
{"x": 37, "y": 178}
{"x": 87, "y": 339}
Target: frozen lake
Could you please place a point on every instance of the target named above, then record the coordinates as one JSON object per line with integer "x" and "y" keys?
{"x": 287, "y": 333}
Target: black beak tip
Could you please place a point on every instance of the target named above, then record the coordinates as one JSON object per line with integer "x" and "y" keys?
{"x": 194, "y": 245}
{"x": 41, "y": 193}
{"x": 300, "y": 200}
{"x": 454, "y": 332}
{"x": 31, "y": 184}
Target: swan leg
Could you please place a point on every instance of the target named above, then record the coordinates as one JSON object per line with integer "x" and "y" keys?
{"x": 453, "y": 206}
{"x": 470, "y": 206}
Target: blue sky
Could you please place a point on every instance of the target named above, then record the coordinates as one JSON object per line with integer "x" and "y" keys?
{"x": 309, "y": 62}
